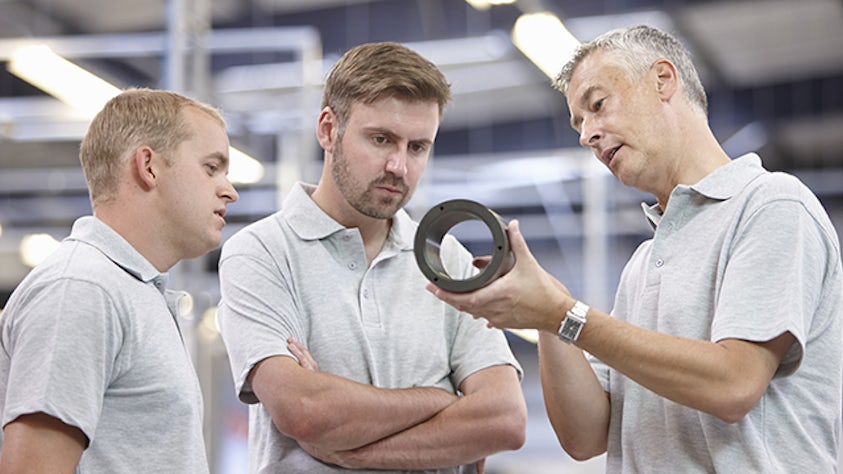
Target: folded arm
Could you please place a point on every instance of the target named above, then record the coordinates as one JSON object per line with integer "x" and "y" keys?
{"x": 490, "y": 417}
{"x": 336, "y": 413}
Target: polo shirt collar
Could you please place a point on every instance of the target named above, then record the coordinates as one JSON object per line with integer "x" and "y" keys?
{"x": 310, "y": 222}
{"x": 728, "y": 180}
{"x": 307, "y": 219}
{"x": 98, "y": 234}
{"x": 720, "y": 185}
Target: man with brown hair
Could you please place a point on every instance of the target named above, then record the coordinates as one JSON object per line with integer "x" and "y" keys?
{"x": 347, "y": 361}
{"x": 94, "y": 374}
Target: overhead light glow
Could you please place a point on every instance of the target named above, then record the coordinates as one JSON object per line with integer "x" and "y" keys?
{"x": 34, "y": 248}
{"x": 486, "y": 4}
{"x": 88, "y": 93}
{"x": 545, "y": 41}
{"x": 73, "y": 85}
{"x": 209, "y": 327}
{"x": 243, "y": 168}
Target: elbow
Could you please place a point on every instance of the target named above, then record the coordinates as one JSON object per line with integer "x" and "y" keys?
{"x": 732, "y": 413}
{"x": 735, "y": 405}
{"x": 302, "y": 423}
{"x": 580, "y": 451}
{"x": 581, "y": 456}
{"x": 515, "y": 437}
{"x": 514, "y": 429}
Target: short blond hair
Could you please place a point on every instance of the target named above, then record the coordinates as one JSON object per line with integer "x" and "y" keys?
{"x": 133, "y": 118}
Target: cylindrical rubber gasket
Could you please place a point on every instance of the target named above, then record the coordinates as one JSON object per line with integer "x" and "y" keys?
{"x": 442, "y": 218}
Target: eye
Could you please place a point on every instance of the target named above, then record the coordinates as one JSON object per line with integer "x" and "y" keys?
{"x": 212, "y": 168}
{"x": 379, "y": 139}
{"x": 598, "y": 104}
{"x": 418, "y": 148}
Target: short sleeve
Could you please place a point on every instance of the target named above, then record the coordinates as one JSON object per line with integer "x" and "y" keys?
{"x": 63, "y": 341}
{"x": 256, "y": 314}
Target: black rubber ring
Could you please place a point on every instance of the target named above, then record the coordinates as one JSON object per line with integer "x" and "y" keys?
{"x": 442, "y": 218}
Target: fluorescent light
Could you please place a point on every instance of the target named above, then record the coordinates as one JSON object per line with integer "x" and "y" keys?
{"x": 73, "y": 85}
{"x": 545, "y": 41}
{"x": 243, "y": 168}
{"x": 485, "y": 4}
{"x": 34, "y": 248}
{"x": 88, "y": 93}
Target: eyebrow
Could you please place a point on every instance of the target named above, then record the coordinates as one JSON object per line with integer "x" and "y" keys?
{"x": 220, "y": 157}
{"x": 584, "y": 100}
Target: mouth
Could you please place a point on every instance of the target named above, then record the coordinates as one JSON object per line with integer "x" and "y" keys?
{"x": 609, "y": 155}
{"x": 390, "y": 188}
{"x": 221, "y": 213}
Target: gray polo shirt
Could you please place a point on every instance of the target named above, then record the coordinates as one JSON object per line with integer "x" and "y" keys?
{"x": 90, "y": 338}
{"x": 744, "y": 254}
{"x": 299, "y": 273}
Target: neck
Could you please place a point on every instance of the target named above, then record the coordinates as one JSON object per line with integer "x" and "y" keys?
{"x": 373, "y": 231}
{"x": 698, "y": 155}
{"x": 133, "y": 224}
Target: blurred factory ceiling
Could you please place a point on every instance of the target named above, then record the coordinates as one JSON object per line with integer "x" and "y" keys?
{"x": 773, "y": 70}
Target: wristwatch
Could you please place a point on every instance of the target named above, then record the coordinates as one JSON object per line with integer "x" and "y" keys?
{"x": 573, "y": 323}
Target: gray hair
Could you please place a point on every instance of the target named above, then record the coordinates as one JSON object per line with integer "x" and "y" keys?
{"x": 637, "y": 48}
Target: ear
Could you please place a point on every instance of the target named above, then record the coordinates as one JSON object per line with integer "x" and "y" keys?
{"x": 667, "y": 79}
{"x": 327, "y": 129}
{"x": 145, "y": 165}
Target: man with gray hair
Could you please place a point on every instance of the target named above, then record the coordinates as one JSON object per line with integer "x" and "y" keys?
{"x": 723, "y": 352}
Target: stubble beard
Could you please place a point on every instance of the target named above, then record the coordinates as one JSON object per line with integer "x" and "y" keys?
{"x": 362, "y": 198}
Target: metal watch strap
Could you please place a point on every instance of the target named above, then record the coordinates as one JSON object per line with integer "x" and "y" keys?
{"x": 572, "y": 324}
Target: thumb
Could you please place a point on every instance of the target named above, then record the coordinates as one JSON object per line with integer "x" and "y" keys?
{"x": 517, "y": 243}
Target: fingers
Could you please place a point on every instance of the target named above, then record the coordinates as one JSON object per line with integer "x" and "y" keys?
{"x": 519, "y": 245}
{"x": 306, "y": 361}
{"x": 481, "y": 262}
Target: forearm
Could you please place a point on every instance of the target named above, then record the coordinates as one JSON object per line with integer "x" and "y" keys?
{"x": 576, "y": 404}
{"x": 356, "y": 415}
{"x": 335, "y": 413}
{"x": 38, "y": 443}
{"x": 477, "y": 425}
{"x": 724, "y": 379}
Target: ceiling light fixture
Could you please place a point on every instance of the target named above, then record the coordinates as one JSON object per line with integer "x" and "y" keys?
{"x": 544, "y": 40}
{"x": 87, "y": 93}
{"x": 34, "y": 248}
{"x": 42, "y": 67}
{"x": 486, "y": 4}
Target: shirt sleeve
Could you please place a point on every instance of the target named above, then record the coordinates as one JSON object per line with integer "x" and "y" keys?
{"x": 63, "y": 342}
{"x": 256, "y": 314}
{"x": 773, "y": 278}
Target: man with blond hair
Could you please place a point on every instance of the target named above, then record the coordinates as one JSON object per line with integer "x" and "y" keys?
{"x": 94, "y": 373}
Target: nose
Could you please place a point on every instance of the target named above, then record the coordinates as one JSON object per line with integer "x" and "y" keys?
{"x": 396, "y": 163}
{"x": 589, "y": 135}
{"x": 228, "y": 192}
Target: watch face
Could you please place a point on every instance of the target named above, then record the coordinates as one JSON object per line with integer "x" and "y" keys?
{"x": 570, "y": 329}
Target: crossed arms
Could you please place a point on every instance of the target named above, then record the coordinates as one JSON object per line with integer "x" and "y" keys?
{"x": 355, "y": 425}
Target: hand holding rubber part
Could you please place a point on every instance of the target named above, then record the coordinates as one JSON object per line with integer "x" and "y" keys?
{"x": 436, "y": 224}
